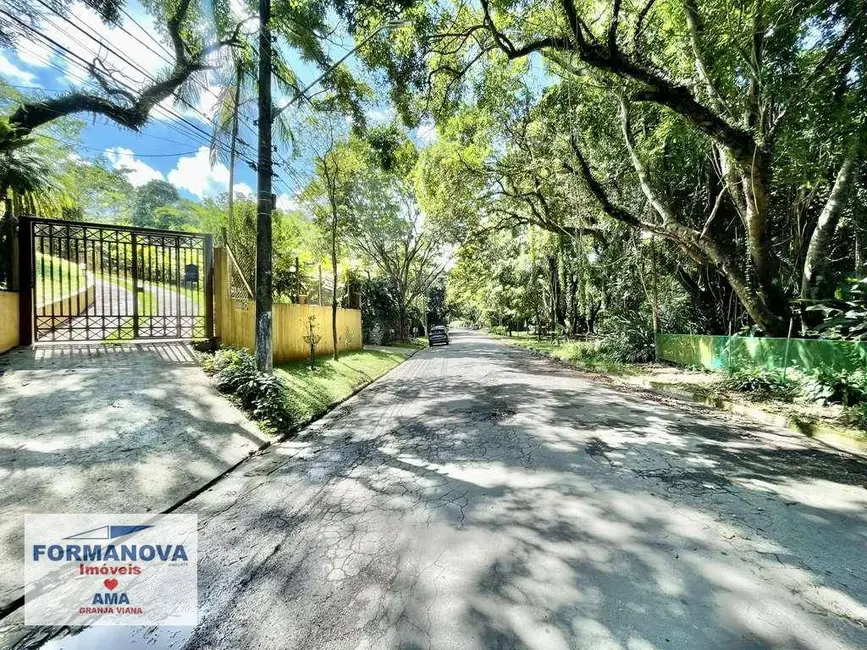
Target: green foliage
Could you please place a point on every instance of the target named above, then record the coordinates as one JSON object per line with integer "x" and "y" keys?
{"x": 535, "y": 139}
{"x": 831, "y": 387}
{"x": 761, "y": 383}
{"x": 151, "y": 201}
{"x": 628, "y": 338}
{"x": 856, "y": 416}
{"x": 846, "y": 315}
{"x": 36, "y": 179}
{"x": 262, "y": 395}
{"x": 10, "y": 140}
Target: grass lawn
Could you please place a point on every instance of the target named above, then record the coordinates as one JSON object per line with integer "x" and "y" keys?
{"x": 413, "y": 344}
{"x": 584, "y": 355}
{"x": 312, "y": 392}
{"x": 56, "y": 278}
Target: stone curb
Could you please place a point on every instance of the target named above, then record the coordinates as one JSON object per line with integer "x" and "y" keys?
{"x": 813, "y": 430}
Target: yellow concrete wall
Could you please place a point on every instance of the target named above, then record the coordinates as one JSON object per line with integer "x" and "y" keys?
{"x": 8, "y": 320}
{"x": 235, "y": 321}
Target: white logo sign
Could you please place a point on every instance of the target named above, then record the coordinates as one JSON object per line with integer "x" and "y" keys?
{"x": 102, "y": 569}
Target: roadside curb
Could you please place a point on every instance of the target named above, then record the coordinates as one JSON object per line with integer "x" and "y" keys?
{"x": 812, "y": 430}
{"x": 12, "y": 606}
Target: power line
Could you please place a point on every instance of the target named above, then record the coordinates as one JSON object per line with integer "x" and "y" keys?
{"x": 149, "y": 35}
{"x": 189, "y": 129}
{"x": 118, "y": 153}
{"x": 121, "y": 56}
{"x": 75, "y": 59}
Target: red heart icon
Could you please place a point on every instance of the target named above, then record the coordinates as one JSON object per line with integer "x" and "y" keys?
{"x": 110, "y": 584}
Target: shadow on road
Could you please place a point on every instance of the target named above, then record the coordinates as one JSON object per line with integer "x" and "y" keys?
{"x": 479, "y": 497}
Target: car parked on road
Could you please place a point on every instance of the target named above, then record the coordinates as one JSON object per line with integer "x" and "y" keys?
{"x": 437, "y": 335}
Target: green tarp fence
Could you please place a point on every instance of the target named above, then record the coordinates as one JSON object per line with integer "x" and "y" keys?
{"x": 736, "y": 352}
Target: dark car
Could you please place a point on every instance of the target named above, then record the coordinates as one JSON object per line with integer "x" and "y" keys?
{"x": 437, "y": 335}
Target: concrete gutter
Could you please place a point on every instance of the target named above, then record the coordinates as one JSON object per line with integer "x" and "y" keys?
{"x": 816, "y": 430}
{"x": 824, "y": 433}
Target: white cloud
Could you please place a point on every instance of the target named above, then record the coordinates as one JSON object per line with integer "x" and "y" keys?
{"x": 427, "y": 132}
{"x": 137, "y": 172}
{"x": 196, "y": 175}
{"x": 136, "y": 58}
{"x": 378, "y": 116}
{"x": 11, "y": 71}
{"x": 286, "y": 203}
{"x": 243, "y": 189}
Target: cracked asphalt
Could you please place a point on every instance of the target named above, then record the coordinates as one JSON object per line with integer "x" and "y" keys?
{"x": 479, "y": 497}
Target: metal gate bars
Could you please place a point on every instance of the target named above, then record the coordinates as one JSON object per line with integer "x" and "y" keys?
{"x": 99, "y": 282}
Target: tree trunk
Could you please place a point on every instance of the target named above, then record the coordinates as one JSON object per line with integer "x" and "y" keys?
{"x": 334, "y": 289}
{"x": 264, "y": 325}
{"x": 819, "y": 250}
{"x": 233, "y": 151}
{"x": 401, "y": 320}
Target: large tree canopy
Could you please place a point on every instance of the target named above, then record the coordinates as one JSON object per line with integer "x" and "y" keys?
{"x": 732, "y": 130}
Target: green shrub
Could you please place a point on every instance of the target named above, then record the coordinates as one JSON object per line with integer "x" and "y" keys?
{"x": 856, "y": 416}
{"x": 264, "y": 396}
{"x": 499, "y": 329}
{"x": 627, "y": 339}
{"x": 762, "y": 383}
{"x": 836, "y": 387}
{"x": 582, "y": 351}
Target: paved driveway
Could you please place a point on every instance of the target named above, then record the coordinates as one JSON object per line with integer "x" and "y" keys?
{"x": 478, "y": 497}
{"x": 117, "y": 428}
{"x": 112, "y": 299}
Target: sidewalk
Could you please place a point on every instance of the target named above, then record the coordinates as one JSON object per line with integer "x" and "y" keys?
{"x": 107, "y": 428}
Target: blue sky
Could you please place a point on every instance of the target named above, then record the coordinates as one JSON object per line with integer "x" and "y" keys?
{"x": 173, "y": 146}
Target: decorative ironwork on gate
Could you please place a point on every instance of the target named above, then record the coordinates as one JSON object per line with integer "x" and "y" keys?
{"x": 98, "y": 282}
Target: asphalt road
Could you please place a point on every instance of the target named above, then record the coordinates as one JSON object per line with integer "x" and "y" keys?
{"x": 479, "y": 497}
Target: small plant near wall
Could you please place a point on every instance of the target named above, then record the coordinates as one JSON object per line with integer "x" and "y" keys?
{"x": 347, "y": 338}
{"x": 312, "y": 338}
{"x": 262, "y": 395}
{"x": 856, "y": 416}
{"x": 836, "y": 387}
{"x": 761, "y": 383}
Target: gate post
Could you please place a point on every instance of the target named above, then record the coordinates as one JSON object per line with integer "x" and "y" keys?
{"x": 209, "y": 286}
{"x": 135, "y": 274}
{"x": 25, "y": 281}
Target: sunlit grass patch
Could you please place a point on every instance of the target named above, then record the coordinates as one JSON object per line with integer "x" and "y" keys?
{"x": 312, "y": 392}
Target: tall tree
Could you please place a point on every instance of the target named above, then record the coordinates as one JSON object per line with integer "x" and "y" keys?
{"x": 387, "y": 228}
{"x": 339, "y": 160}
{"x": 149, "y": 198}
{"x": 736, "y": 79}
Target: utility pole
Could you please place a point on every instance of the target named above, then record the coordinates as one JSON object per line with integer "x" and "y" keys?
{"x": 264, "y": 324}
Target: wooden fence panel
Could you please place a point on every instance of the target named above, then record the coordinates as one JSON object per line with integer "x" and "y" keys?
{"x": 235, "y": 322}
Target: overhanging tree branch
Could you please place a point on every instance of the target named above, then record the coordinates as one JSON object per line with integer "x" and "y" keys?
{"x": 134, "y": 112}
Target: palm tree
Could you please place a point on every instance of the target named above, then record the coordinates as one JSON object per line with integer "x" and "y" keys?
{"x": 304, "y": 28}
{"x": 31, "y": 182}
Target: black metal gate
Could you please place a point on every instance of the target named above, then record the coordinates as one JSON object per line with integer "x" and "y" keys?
{"x": 98, "y": 282}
